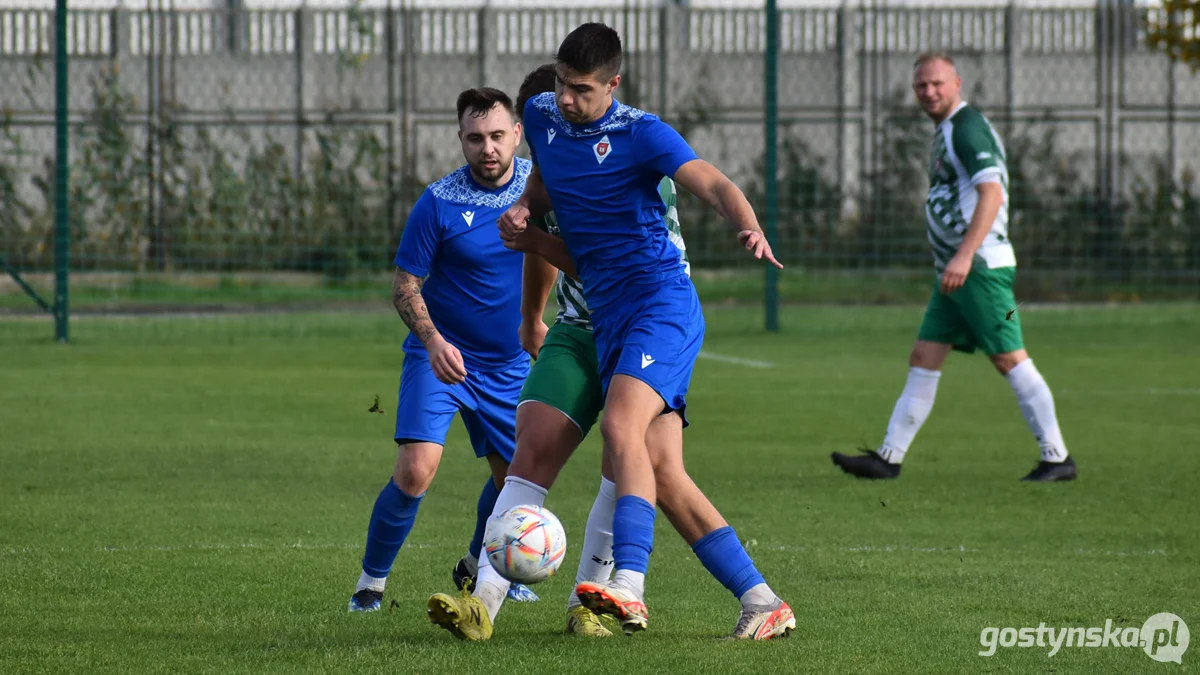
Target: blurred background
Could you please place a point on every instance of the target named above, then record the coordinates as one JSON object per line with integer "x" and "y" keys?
{"x": 252, "y": 153}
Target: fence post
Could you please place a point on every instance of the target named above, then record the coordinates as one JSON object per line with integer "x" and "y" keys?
{"x": 489, "y": 47}
{"x": 1013, "y": 48}
{"x": 770, "y": 161}
{"x": 62, "y": 203}
{"x": 849, "y": 84}
{"x": 303, "y": 42}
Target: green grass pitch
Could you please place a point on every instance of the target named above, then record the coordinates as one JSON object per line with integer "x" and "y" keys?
{"x": 192, "y": 495}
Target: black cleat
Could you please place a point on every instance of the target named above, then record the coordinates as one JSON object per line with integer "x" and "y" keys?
{"x": 867, "y": 465}
{"x": 1048, "y": 472}
{"x": 366, "y": 600}
{"x": 463, "y": 579}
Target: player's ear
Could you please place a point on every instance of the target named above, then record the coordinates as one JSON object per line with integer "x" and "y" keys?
{"x": 614, "y": 82}
{"x": 517, "y": 130}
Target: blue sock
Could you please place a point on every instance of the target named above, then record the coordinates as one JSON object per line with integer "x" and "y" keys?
{"x": 487, "y": 501}
{"x": 633, "y": 534}
{"x": 391, "y": 521}
{"x": 726, "y": 559}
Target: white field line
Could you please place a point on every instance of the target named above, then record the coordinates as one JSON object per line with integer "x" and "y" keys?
{"x": 752, "y": 546}
{"x": 736, "y": 360}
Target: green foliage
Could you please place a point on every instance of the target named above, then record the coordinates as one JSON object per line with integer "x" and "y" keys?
{"x": 1162, "y": 228}
{"x": 1174, "y": 27}
{"x": 221, "y": 196}
{"x": 890, "y": 228}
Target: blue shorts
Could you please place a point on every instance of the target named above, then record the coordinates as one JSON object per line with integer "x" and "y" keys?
{"x": 655, "y": 338}
{"x": 487, "y": 402}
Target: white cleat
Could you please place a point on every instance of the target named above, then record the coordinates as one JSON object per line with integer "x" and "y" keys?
{"x": 763, "y": 622}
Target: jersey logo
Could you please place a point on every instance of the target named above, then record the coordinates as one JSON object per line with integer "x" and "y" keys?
{"x": 602, "y": 149}
{"x": 550, "y": 136}
{"x": 646, "y": 360}
{"x": 468, "y": 216}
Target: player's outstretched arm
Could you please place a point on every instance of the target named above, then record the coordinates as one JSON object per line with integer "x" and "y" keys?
{"x": 537, "y": 279}
{"x": 410, "y": 304}
{"x": 708, "y": 183}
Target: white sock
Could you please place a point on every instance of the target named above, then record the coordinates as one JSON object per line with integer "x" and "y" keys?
{"x": 1037, "y": 405}
{"x": 759, "y": 596}
{"x": 367, "y": 581}
{"x": 472, "y": 563}
{"x": 910, "y": 413}
{"x": 596, "y": 556}
{"x": 490, "y": 587}
{"x": 630, "y": 580}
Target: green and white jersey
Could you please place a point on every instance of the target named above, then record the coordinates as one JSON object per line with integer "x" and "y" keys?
{"x": 572, "y": 308}
{"x": 966, "y": 151}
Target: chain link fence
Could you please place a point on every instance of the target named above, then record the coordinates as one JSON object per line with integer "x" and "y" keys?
{"x": 272, "y": 155}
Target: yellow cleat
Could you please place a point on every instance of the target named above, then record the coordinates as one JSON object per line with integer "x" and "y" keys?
{"x": 465, "y": 616}
{"x": 585, "y": 622}
{"x": 606, "y": 597}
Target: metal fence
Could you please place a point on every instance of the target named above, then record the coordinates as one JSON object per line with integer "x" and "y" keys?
{"x": 289, "y": 144}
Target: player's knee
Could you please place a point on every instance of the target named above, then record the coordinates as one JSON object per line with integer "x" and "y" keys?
{"x": 1007, "y": 361}
{"x": 415, "y": 470}
{"x": 926, "y": 356}
{"x": 917, "y": 359}
{"x": 619, "y": 433}
{"x": 537, "y": 462}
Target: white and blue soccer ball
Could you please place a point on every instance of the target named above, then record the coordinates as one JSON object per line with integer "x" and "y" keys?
{"x": 525, "y": 544}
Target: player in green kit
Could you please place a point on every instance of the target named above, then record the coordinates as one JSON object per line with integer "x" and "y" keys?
{"x": 559, "y": 404}
{"x": 972, "y": 306}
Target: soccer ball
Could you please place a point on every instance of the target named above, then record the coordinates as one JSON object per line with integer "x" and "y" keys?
{"x": 525, "y": 544}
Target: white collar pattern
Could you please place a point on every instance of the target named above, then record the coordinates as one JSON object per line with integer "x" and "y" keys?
{"x": 458, "y": 188}
{"x": 622, "y": 117}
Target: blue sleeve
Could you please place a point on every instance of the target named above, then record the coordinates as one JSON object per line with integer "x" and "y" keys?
{"x": 663, "y": 149}
{"x": 421, "y": 239}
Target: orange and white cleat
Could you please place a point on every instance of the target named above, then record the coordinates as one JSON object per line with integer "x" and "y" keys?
{"x": 763, "y": 622}
{"x": 605, "y": 597}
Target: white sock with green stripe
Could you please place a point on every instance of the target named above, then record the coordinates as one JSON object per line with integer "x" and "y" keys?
{"x": 911, "y": 411}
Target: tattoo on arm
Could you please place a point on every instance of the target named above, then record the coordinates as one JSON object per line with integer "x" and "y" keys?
{"x": 406, "y": 296}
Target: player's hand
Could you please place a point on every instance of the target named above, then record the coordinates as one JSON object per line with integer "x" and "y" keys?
{"x": 513, "y": 222}
{"x": 532, "y": 334}
{"x": 756, "y": 242}
{"x": 526, "y": 241}
{"x": 956, "y": 273}
{"x": 447, "y": 362}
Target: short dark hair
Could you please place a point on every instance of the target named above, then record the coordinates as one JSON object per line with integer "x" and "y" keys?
{"x": 926, "y": 57}
{"x": 480, "y": 101}
{"x": 540, "y": 81}
{"x": 592, "y": 49}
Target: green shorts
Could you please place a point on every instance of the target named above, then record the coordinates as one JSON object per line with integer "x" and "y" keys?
{"x": 566, "y": 376}
{"x": 980, "y": 315}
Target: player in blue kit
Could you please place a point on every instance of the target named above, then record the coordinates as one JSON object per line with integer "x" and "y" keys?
{"x": 597, "y": 165}
{"x": 560, "y": 402}
{"x": 453, "y": 276}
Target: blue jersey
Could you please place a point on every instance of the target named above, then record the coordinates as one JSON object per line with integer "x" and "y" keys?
{"x": 473, "y": 289}
{"x": 603, "y": 179}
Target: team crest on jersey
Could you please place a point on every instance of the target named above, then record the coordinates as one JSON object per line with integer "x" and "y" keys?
{"x": 602, "y": 149}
